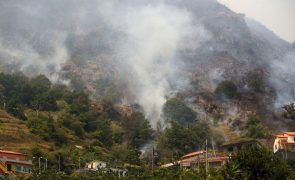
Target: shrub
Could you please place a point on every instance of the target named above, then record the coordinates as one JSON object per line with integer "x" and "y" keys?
{"x": 226, "y": 90}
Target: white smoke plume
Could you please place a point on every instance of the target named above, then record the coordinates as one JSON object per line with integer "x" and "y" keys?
{"x": 154, "y": 36}
{"x": 283, "y": 80}
{"x": 38, "y": 37}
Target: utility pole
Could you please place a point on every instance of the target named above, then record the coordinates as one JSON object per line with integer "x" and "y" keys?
{"x": 79, "y": 162}
{"x": 153, "y": 159}
{"x": 213, "y": 147}
{"x": 39, "y": 160}
{"x": 58, "y": 162}
{"x": 45, "y": 163}
{"x": 206, "y": 165}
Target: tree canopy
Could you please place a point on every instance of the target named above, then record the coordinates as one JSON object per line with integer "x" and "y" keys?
{"x": 255, "y": 162}
{"x": 176, "y": 110}
{"x": 226, "y": 90}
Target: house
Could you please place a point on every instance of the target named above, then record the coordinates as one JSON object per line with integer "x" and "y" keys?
{"x": 102, "y": 166}
{"x": 195, "y": 159}
{"x": 284, "y": 144}
{"x": 14, "y": 163}
{"x": 234, "y": 146}
{"x": 188, "y": 159}
{"x": 96, "y": 165}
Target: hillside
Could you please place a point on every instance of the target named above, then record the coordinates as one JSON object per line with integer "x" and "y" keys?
{"x": 15, "y": 135}
{"x": 208, "y": 43}
{"x": 139, "y": 84}
{"x": 231, "y": 48}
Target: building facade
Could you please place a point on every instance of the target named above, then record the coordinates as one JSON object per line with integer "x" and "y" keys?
{"x": 96, "y": 165}
{"x": 284, "y": 144}
{"x": 14, "y": 163}
{"x": 198, "y": 158}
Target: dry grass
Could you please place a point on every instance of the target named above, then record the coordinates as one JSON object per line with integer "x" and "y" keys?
{"x": 228, "y": 133}
{"x": 15, "y": 135}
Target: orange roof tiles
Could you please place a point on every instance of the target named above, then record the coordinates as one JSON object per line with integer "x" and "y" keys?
{"x": 281, "y": 136}
{"x": 290, "y": 133}
{"x": 11, "y": 152}
{"x": 285, "y": 134}
{"x": 193, "y": 154}
{"x": 210, "y": 159}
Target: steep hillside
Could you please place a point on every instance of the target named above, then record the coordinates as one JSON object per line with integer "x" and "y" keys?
{"x": 236, "y": 46}
{"x": 16, "y": 136}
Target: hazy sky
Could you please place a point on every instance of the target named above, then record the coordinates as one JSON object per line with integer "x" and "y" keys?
{"x": 277, "y": 15}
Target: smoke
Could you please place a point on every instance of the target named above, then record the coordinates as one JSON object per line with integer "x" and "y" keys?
{"x": 29, "y": 41}
{"x": 282, "y": 78}
{"x": 154, "y": 35}
{"x": 146, "y": 39}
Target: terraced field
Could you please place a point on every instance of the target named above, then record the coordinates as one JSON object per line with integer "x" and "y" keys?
{"x": 14, "y": 134}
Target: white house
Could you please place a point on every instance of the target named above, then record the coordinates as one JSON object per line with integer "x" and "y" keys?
{"x": 96, "y": 165}
{"x": 284, "y": 141}
{"x": 102, "y": 166}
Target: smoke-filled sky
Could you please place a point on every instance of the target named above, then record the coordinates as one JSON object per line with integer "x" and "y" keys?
{"x": 143, "y": 39}
{"x": 277, "y": 15}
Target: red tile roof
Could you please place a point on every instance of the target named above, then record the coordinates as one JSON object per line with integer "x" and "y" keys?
{"x": 210, "y": 159}
{"x": 290, "y": 133}
{"x": 281, "y": 136}
{"x": 11, "y": 152}
{"x": 196, "y": 153}
{"x": 285, "y": 134}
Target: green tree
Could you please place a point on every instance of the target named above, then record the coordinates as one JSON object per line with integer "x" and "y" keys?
{"x": 182, "y": 140}
{"x": 77, "y": 127}
{"x": 104, "y": 131}
{"x": 255, "y": 162}
{"x": 232, "y": 171}
{"x": 176, "y": 110}
{"x": 132, "y": 156}
{"x": 90, "y": 121}
{"x": 40, "y": 84}
{"x": 255, "y": 81}
{"x": 255, "y": 129}
{"x": 226, "y": 90}
{"x": 73, "y": 123}
{"x": 289, "y": 111}
{"x": 44, "y": 101}
{"x": 137, "y": 130}
{"x": 79, "y": 103}
{"x": 15, "y": 107}
{"x": 45, "y": 127}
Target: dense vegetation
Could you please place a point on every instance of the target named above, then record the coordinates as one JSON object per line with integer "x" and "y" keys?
{"x": 255, "y": 162}
{"x": 65, "y": 118}
{"x": 252, "y": 162}
{"x": 176, "y": 111}
{"x": 255, "y": 129}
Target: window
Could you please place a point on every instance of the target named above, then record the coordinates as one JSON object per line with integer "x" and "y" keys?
{"x": 8, "y": 167}
{"x": 26, "y": 169}
{"x": 230, "y": 149}
{"x": 17, "y": 168}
